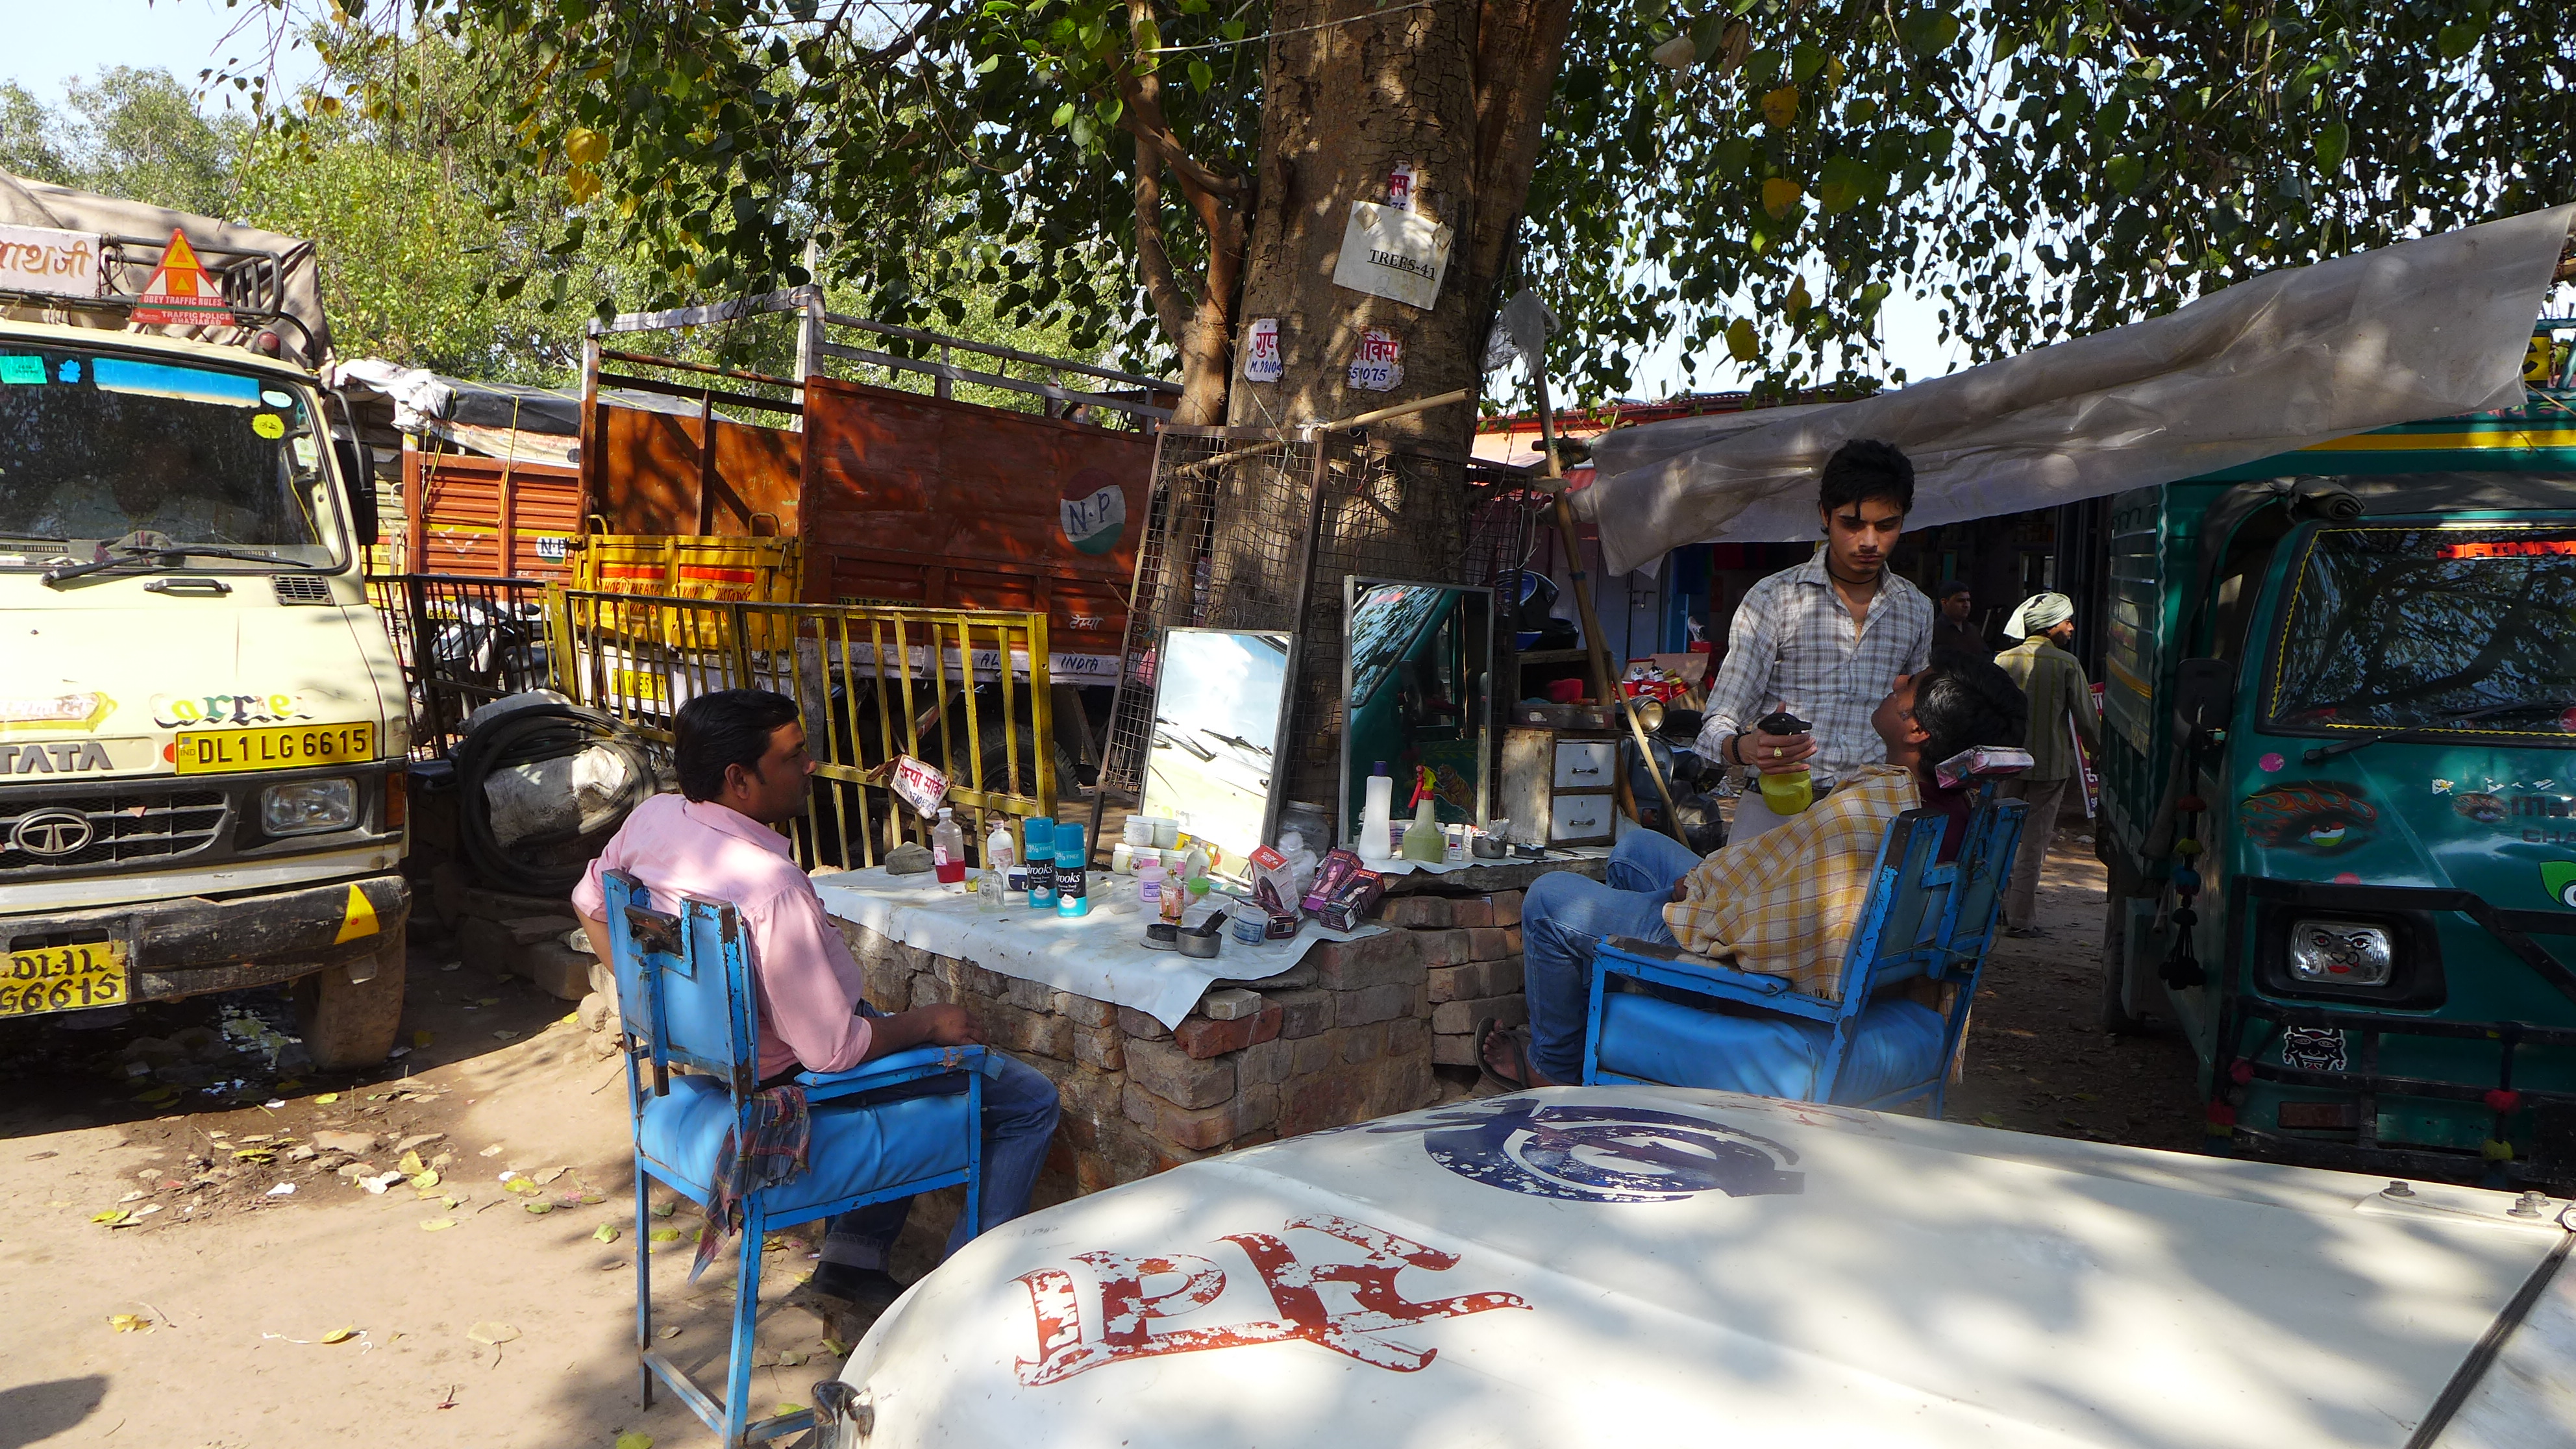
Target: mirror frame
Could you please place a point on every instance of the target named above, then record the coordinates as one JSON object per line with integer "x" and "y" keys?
{"x": 1344, "y": 826}
{"x": 1231, "y": 867}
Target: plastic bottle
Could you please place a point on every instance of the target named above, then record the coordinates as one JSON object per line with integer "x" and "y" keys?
{"x": 1375, "y": 842}
{"x": 998, "y": 869}
{"x": 1039, "y": 835}
{"x": 1072, "y": 893}
{"x": 1789, "y": 792}
{"x": 1301, "y": 863}
{"x": 1422, "y": 839}
{"x": 1176, "y": 898}
{"x": 948, "y": 852}
{"x": 1149, "y": 881}
{"x": 987, "y": 890}
{"x": 1194, "y": 869}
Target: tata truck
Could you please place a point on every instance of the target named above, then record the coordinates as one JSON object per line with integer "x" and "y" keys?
{"x": 202, "y": 722}
{"x": 2340, "y": 791}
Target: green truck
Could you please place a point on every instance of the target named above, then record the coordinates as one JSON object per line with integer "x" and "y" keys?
{"x": 2340, "y": 790}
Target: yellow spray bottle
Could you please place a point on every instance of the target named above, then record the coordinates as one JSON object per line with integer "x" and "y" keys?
{"x": 1790, "y": 791}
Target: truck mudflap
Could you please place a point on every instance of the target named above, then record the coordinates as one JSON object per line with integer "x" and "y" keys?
{"x": 2532, "y": 1136}
{"x": 194, "y": 945}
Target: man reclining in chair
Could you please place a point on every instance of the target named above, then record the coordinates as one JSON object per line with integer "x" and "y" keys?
{"x": 1782, "y": 904}
{"x": 740, "y": 756}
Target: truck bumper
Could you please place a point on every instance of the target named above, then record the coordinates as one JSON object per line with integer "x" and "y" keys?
{"x": 193, "y": 945}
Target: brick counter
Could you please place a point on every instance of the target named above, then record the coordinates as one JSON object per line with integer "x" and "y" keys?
{"x": 1349, "y": 1034}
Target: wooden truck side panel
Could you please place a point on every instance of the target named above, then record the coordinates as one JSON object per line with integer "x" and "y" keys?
{"x": 643, "y": 473}
{"x": 926, "y": 500}
{"x": 467, "y": 513}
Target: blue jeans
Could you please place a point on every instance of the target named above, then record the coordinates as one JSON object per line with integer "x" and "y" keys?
{"x": 1019, "y": 1122}
{"x": 1566, "y": 916}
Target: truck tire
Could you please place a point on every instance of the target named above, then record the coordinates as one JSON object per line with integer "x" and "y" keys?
{"x": 2117, "y": 1019}
{"x": 997, "y": 774}
{"x": 348, "y": 1025}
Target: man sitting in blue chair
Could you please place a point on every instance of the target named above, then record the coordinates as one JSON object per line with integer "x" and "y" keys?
{"x": 1784, "y": 903}
{"x": 740, "y": 755}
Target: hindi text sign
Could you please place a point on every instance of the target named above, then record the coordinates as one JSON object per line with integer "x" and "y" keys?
{"x": 1261, "y": 359}
{"x": 1377, "y": 364}
{"x": 1391, "y": 253}
{"x": 43, "y": 259}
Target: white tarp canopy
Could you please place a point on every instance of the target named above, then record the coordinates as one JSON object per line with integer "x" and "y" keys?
{"x": 2424, "y": 329}
{"x": 1645, "y": 1266}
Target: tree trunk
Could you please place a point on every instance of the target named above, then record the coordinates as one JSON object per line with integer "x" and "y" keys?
{"x": 1457, "y": 91}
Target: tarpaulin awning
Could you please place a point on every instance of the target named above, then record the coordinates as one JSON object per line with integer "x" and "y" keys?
{"x": 2423, "y": 329}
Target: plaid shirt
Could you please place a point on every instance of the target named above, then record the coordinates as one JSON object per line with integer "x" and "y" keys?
{"x": 1792, "y": 647}
{"x": 1786, "y": 902}
{"x": 782, "y": 1131}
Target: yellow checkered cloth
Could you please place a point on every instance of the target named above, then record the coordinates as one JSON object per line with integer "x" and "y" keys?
{"x": 1786, "y": 902}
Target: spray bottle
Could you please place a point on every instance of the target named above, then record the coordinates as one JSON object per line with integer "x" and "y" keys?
{"x": 1789, "y": 792}
{"x": 1422, "y": 839}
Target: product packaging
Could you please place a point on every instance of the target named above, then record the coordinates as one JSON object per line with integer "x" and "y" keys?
{"x": 1358, "y": 896}
{"x": 1337, "y": 868}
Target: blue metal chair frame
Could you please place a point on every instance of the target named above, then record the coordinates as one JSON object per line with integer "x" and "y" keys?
{"x": 1922, "y": 919}
{"x": 672, "y": 1015}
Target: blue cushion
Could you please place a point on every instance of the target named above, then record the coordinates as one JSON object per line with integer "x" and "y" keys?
{"x": 854, "y": 1149}
{"x": 1897, "y": 1045}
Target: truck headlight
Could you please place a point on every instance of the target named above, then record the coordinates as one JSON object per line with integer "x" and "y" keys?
{"x": 2341, "y": 953}
{"x": 307, "y": 806}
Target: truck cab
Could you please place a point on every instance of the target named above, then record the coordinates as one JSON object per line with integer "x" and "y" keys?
{"x": 2340, "y": 792}
{"x": 202, "y": 722}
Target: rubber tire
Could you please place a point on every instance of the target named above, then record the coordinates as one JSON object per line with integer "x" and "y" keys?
{"x": 349, "y": 1025}
{"x": 996, "y": 772}
{"x": 2117, "y": 1019}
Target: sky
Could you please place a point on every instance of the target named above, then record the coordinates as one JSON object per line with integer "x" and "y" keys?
{"x": 51, "y": 41}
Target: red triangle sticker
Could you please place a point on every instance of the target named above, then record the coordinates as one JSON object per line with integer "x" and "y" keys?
{"x": 182, "y": 293}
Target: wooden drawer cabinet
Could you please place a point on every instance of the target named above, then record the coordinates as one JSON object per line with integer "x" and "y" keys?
{"x": 1557, "y": 785}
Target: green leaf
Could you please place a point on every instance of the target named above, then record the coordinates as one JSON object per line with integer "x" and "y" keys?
{"x": 1064, "y": 115}
{"x": 2124, "y": 173}
{"x": 1202, "y": 76}
{"x": 2332, "y": 143}
{"x": 2458, "y": 38}
{"x": 1742, "y": 343}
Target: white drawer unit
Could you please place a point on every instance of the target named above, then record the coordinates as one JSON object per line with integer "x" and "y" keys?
{"x": 1557, "y": 785}
{"x": 1585, "y": 764}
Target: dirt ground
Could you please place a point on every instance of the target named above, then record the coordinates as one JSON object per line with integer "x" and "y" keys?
{"x": 223, "y": 1310}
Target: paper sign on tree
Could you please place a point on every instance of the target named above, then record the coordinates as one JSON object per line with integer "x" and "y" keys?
{"x": 1391, "y": 253}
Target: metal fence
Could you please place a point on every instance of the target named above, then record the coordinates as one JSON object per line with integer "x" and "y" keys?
{"x": 965, "y": 691}
{"x": 463, "y": 641}
{"x": 1255, "y": 528}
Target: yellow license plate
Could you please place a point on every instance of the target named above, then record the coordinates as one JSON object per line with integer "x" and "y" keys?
{"x": 63, "y": 978}
{"x": 284, "y": 747}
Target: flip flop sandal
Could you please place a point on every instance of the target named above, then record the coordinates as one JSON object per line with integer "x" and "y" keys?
{"x": 1486, "y": 1030}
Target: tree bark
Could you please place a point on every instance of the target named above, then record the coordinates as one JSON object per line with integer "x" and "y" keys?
{"x": 1200, "y": 328}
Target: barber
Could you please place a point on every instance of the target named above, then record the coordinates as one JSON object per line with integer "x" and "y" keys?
{"x": 1823, "y": 640}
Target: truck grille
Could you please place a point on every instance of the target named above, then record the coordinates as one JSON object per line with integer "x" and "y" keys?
{"x": 128, "y": 825}
{"x": 301, "y": 589}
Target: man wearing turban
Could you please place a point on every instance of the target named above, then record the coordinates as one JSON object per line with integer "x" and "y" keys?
{"x": 2061, "y": 712}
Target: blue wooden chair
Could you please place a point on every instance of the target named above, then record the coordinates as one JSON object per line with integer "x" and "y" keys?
{"x": 1743, "y": 1032}
{"x": 902, "y": 1124}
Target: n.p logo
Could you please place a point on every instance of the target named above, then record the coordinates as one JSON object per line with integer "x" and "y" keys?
{"x": 1095, "y": 511}
{"x": 2558, "y": 877}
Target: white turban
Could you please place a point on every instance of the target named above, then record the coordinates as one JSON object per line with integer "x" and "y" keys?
{"x": 2038, "y": 614}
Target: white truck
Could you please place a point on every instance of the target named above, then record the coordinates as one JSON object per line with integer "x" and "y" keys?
{"x": 202, "y": 721}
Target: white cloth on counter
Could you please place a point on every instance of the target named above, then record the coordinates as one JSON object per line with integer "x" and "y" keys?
{"x": 1556, "y": 855}
{"x": 1100, "y": 955}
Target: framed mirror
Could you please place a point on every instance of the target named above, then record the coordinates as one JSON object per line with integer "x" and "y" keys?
{"x": 1417, "y": 692}
{"x": 1220, "y": 708}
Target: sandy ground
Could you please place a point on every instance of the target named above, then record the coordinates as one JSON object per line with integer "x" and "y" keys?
{"x": 234, "y": 1290}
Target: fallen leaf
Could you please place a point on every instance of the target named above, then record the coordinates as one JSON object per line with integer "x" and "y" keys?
{"x": 604, "y": 1233}
{"x": 665, "y": 1209}
{"x": 505, "y": 1035}
{"x": 671, "y": 1332}
{"x": 787, "y": 1409}
{"x": 569, "y": 1018}
{"x": 254, "y": 1154}
{"x": 340, "y": 1335}
{"x": 420, "y": 1038}
{"x": 665, "y": 1235}
{"x": 112, "y": 1217}
{"x": 490, "y": 1332}
{"x": 539, "y": 1208}
{"x": 594, "y": 1197}
{"x": 290, "y": 1084}
{"x": 327, "y": 1098}
{"x": 437, "y": 1225}
{"x": 1991, "y": 1119}
{"x": 424, "y": 1179}
{"x": 520, "y": 1185}
{"x": 793, "y": 1360}
{"x": 411, "y": 1165}
{"x": 492, "y": 1151}
{"x": 633, "y": 1440}
{"x": 487, "y": 1001}
{"x": 128, "y": 1322}
{"x": 836, "y": 1348}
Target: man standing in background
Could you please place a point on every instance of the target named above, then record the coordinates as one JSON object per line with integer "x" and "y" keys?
{"x": 2061, "y": 712}
{"x": 1950, "y": 627}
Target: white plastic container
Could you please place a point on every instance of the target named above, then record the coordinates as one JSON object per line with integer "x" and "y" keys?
{"x": 1374, "y": 816}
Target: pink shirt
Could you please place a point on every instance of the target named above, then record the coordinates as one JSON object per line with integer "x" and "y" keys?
{"x": 808, "y": 987}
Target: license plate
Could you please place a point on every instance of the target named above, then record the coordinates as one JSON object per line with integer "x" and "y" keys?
{"x": 63, "y": 978}
{"x": 284, "y": 747}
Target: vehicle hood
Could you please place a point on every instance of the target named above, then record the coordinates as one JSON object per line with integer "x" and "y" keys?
{"x": 1648, "y": 1266}
{"x": 2497, "y": 822}
{"x": 129, "y": 675}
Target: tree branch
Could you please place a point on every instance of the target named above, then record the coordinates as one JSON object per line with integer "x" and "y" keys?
{"x": 1171, "y": 304}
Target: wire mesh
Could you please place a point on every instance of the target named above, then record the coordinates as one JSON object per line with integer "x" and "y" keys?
{"x": 463, "y": 642}
{"x": 1258, "y": 528}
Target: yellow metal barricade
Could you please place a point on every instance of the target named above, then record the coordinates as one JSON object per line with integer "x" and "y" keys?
{"x": 967, "y": 691}
{"x": 712, "y": 569}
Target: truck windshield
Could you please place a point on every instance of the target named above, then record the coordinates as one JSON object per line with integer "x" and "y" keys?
{"x": 2417, "y": 628}
{"x": 97, "y": 445}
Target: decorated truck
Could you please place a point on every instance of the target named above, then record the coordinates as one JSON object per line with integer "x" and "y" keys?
{"x": 2340, "y": 790}
{"x": 202, "y": 724}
